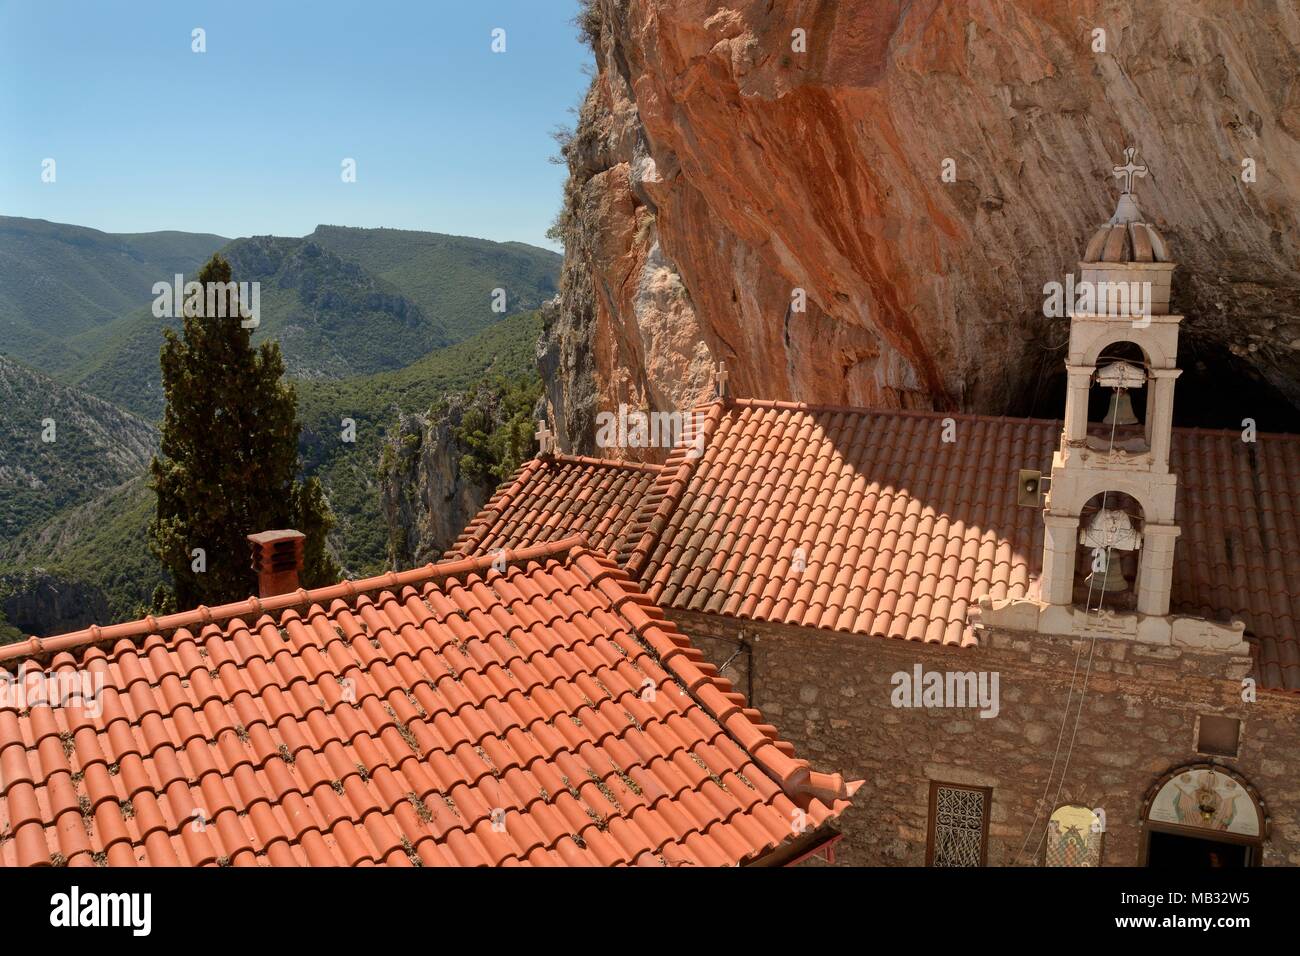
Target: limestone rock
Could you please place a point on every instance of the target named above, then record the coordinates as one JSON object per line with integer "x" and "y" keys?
{"x": 715, "y": 171}
{"x": 425, "y": 498}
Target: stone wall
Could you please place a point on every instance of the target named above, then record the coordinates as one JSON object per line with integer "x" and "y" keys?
{"x": 830, "y": 695}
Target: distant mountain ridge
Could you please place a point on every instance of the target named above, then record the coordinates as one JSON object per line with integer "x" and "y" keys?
{"x": 59, "y": 282}
{"x": 452, "y": 277}
{"x": 342, "y": 301}
{"x": 332, "y": 318}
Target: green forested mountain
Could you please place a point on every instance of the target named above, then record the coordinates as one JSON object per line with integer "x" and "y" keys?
{"x": 60, "y": 447}
{"x": 91, "y": 562}
{"x": 93, "y": 552}
{"x": 451, "y": 277}
{"x": 71, "y": 539}
{"x": 349, "y": 470}
{"x": 373, "y": 323}
{"x": 59, "y": 282}
{"x": 343, "y": 302}
{"x": 331, "y": 317}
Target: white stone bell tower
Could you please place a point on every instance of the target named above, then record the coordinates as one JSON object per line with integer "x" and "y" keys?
{"x": 1123, "y": 297}
{"x": 1111, "y": 495}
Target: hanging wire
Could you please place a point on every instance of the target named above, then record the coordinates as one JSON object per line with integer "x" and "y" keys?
{"x": 1087, "y": 609}
{"x": 1065, "y": 715}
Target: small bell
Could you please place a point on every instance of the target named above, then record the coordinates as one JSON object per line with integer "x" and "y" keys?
{"x": 1121, "y": 410}
{"x": 1110, "y": 579}
{"x": 1111, "y": 528}
{"x": 1109, "y": 533}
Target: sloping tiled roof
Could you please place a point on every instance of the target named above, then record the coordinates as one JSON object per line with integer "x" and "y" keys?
{"x": 1238, "y": 553}
{"x": 551, "y": 498}
{"x": 394, "y": 720}
{"x": 900, "y": 531}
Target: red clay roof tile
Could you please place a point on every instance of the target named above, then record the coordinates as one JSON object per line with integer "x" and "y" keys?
{"x": 447, "y": 747}
{"x": 930, "y": 526}
{"x": 555, "y": 497}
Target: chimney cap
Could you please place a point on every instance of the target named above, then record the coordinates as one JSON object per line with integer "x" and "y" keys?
{"x": 274, "y": 537}
{"x": 277, "y": 560}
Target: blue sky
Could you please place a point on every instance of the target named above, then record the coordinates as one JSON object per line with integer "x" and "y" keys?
{"x": 249, "y": 137}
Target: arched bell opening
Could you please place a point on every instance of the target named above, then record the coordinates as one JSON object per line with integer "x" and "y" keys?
{"x": 1108, "y": 558}
{"x": 1117, "y": 400}
{"x": 1216, "y": 390}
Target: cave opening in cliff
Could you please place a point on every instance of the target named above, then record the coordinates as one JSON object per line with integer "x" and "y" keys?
{"x": 1217, "y": 389}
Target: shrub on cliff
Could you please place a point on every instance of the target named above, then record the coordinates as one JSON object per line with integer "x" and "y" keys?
{"x": 496, "y": 430}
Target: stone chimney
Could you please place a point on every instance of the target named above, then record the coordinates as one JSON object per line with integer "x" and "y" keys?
{"x": 277, "y": 559}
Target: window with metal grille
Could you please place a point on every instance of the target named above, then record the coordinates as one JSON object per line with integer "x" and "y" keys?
{"x": 959, "y": 824}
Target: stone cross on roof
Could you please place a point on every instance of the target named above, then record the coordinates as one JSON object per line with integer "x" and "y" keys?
{"x": 1129, "y": 169}
{"x": 545, "y": 440}
{"x": 720, "y": 381}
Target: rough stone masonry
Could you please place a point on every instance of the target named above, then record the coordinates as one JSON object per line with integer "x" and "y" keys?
{"x": 830, "y": 695}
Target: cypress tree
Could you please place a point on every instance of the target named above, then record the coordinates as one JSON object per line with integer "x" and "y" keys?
{"x": 229, "y": 458}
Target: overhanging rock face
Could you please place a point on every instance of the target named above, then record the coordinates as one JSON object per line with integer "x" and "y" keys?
{"x": 716, "y": 171}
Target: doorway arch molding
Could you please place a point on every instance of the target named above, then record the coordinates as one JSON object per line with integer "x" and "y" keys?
{"x": 1257, "y": 801}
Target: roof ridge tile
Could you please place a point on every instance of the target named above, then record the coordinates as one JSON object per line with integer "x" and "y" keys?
{"x": 669, "y": 486}
{"x": 36, "y": 648}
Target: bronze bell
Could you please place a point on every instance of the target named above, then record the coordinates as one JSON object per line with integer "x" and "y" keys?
{"x": 1121, "y": 410}
{"x": 1110, "y": 533}
{"x": 1109, "y": 580}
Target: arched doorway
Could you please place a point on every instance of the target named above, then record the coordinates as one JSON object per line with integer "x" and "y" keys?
{"x": 1203, "y": 816}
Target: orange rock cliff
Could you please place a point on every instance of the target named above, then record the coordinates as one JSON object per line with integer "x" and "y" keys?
{"x": 732, "y": 162}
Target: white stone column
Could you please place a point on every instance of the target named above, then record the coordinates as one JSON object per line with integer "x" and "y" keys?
{"x": 1059, "y": 548}
{"x": 1160, "y": 415}
{"x": 1076, "y": 402}
{"x": 1156, "y": 569}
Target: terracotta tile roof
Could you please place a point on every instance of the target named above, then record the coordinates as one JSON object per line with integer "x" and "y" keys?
{"x": 901, "y": 532}
{"x": 552, "y": 498}
{"x": 392, "y": 721}
{"x": 1239, "y": 551}
{"x": 898, "y": 532}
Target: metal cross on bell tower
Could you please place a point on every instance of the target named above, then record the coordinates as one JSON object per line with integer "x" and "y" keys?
{"x": 1129, "y": 169}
